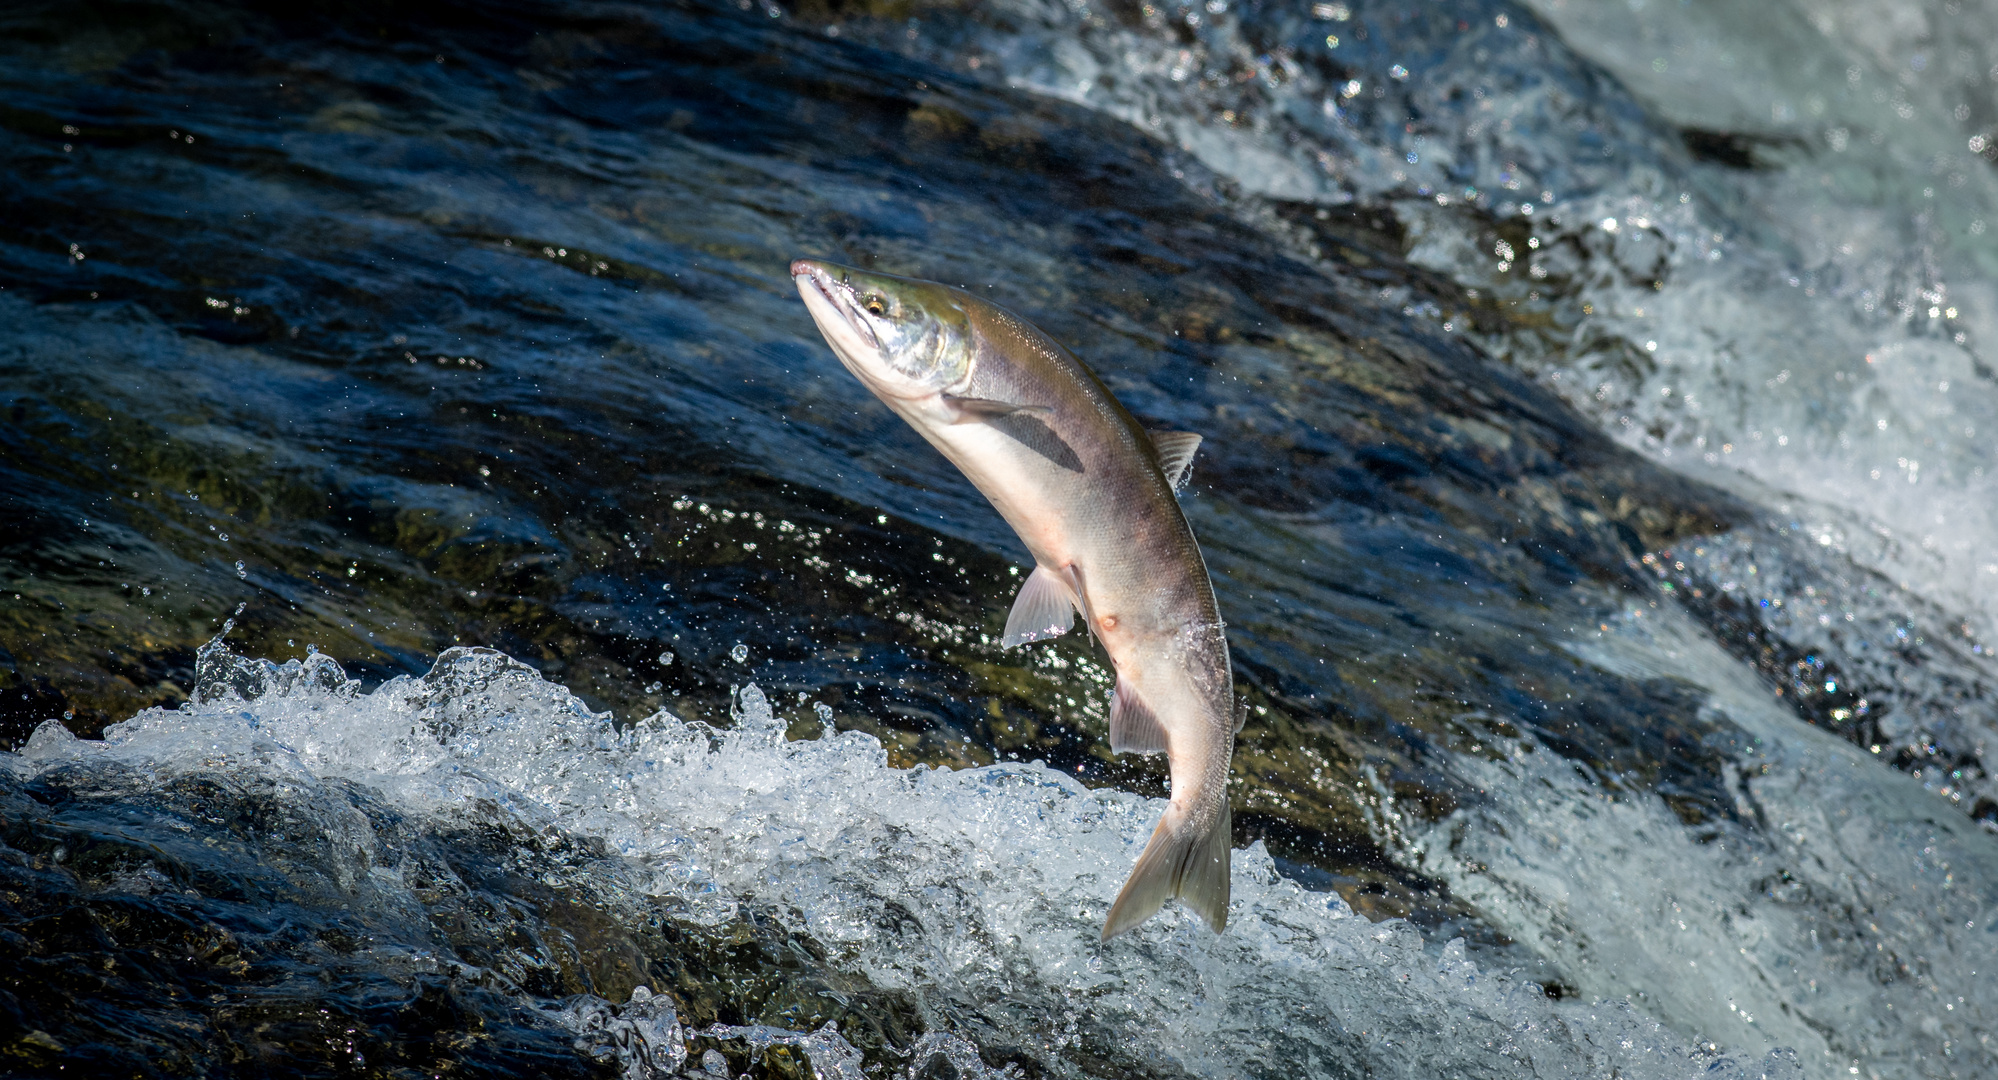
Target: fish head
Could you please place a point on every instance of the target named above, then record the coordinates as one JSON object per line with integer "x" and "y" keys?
{"x": 901, "y": 337}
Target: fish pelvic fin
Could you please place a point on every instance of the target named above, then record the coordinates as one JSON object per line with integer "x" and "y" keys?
{"x": 1073, "y": 575}
{"x": 1175, "y": 454}
{"x": 1177, "y": 863}
{"x": 1044, "y": 608}
{"x": 1133, "y": 727}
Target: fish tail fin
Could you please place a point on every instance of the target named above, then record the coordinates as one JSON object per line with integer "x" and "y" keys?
{"x": 1190, "y": 865}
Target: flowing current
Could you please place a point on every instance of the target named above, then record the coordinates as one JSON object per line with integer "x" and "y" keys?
{"x": 1595, "y": 398}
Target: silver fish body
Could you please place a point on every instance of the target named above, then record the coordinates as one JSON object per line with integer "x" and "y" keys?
{"x": 1090, "y": 494}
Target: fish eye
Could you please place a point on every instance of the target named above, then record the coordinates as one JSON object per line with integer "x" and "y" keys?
{"x": 874, "y": 304}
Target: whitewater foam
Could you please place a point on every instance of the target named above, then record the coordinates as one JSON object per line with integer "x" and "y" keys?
{"x": 1840, "y": 910}
{"x": 979, "y": 892}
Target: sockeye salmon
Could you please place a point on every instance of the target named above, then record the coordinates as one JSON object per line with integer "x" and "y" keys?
{"x": 1091, "y": 495}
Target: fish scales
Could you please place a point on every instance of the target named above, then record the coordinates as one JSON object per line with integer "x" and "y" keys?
{"x": 1090, "y": 493}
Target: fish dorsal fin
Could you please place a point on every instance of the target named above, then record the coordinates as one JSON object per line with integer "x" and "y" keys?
{"x": 1045, "y": 608}
{"x": 1175, "y": 453}
{"x": 1133, "y": 728}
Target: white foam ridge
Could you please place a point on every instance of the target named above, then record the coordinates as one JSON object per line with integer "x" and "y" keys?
{"x": 964, "y": 889}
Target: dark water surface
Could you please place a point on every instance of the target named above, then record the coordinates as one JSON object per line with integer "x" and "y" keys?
{"x": 518, "y": 364}
{"x": 387, "y": 328}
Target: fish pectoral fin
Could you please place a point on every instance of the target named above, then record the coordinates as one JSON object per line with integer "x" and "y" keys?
{"x": 1175, "y": 453}
{"x": 968, "y": 410}
{"x": 1045, "y": 608}
{"x": 1133, "y": 727}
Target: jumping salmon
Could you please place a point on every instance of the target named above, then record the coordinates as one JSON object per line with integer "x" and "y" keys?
{"x": 1091, "y": 495}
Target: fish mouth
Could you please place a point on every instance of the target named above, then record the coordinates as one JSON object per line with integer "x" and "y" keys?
{"x": 826, "y": 283}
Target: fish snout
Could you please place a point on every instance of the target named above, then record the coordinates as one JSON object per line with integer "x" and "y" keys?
{"x": 822, "y": 274}
{"x": 818, "y": 278}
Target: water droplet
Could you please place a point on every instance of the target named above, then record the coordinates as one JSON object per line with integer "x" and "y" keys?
{"x": 740, "y": 654}
{"x": 241, "y": 572}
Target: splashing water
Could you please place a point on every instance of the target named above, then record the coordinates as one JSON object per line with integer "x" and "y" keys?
{"x": 963, "y": 889}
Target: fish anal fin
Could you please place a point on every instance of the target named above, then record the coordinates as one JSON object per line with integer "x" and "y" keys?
{"x": 1181, "y": 862}
{"x": 968, "y": 410}
{"x": 1133, "y": 727}
{"x": 1044, "y": 608}
{"x": 1175, "y": 453}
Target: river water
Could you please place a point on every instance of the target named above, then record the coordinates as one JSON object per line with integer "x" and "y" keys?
{"x": 486, "y": 633}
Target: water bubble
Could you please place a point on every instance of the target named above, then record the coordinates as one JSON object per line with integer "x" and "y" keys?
{"x": 241, "y": 572}
{"x": 665, "y": 658}
{"x": 739, "y": 654}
